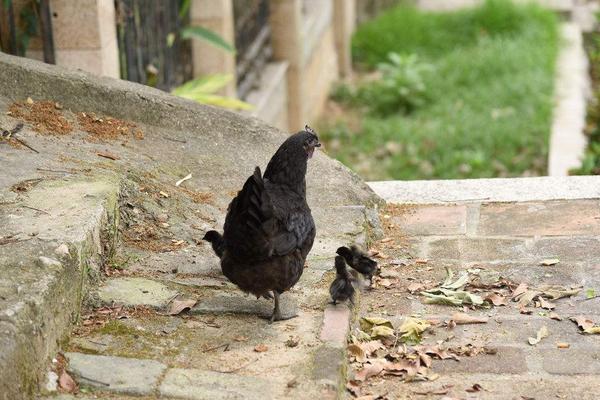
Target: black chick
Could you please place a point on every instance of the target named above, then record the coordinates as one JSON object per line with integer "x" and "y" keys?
{"x": 216, "y": 241}
{"x": 269, "y": 229}
{"x": 358, "y": 260}
{"x": 341, "y": 288}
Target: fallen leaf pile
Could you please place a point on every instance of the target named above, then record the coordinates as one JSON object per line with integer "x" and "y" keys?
{"x": 379, "y": 349}
{"x": 486, "y": 288}
{"x": 99, "y": 317}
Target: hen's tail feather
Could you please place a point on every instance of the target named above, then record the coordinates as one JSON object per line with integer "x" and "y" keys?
{"x": 251, "y": 211}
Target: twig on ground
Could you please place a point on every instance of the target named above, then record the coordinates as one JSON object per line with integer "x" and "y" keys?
{"x": 238, "y": 368}
{"x": 36, "y": 209}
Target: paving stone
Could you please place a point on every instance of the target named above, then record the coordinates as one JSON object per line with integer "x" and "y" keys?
{"x": 532, "y": 273}
{"x": 508, "y": 360}
{"x": 116, "y": 374}
{"x": 328, "y": 364}
{"x": 335, "y": 323}
{"x": 136, "y": 291}
{"x": 195, "y": 384}
{"x": 498, "y": 387}
{"x": 246, "y": 305}
{"x": 568, "y": 249}
{"x": 553, "y": 218}
{"x": 470, "y": 250}
{"x": 500, "y": 331}
{"x": 571, "y": 361}
{"x": 433, "y": 220}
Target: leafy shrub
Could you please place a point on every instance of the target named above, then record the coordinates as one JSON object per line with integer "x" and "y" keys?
{"x": 401, "y": 87}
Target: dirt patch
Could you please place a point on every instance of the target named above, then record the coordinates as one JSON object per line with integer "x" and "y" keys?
{"x": 98, "y": 318}
{"x": 24, "y": 186}
{"x": 198, "y": 197}
{"x": 107, "y": 128}
{"x": 147, "y": 236}
{"x": 44, "y": 116}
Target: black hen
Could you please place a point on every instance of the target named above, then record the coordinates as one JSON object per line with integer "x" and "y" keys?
{"x": 358, "y": 260}
{"x": 341, "y": 288}
{"x": 269, "y": 229}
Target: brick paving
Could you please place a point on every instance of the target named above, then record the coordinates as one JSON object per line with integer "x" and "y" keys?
{"x": 510, "y": 239}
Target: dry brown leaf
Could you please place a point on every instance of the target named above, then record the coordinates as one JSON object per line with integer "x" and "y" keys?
{"x": 546, "y": 304}
{"x": 583, "y": 322}
{"x": 66, "y": 383}
{"x": 261, "y": 348}
{"x": 401, "y": 367}
{"x": 416, "y": 287}
{"x": 178, "y": 306}
{"x": 475, "y": 388}
{"x": 522, "y": 288}
{"x": 357, "y": 352}
{"x": 435, "y": 350}
{"x": 439, "y": 391}
{"x": 587, "y": 325}
{"x": 524, "y": 310}
{"x": 354, "y": 388}
{"x": 463, "y": 319}
{"x": 369, "y": 370}
{"x": 555, "y": 316}
{"x": 496, "y": 299}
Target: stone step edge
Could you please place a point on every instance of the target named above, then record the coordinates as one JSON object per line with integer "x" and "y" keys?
{"x": 23, "y": 370}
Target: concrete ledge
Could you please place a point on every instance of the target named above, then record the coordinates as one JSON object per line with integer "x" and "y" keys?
{"x": 489, "y": 190}
{"x": 45, "y": 266}
{"x": 572, "y": 87}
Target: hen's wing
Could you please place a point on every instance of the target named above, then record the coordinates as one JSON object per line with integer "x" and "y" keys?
{"x": 255, "y": 231}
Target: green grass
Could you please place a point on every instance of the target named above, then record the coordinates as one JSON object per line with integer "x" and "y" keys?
{"x": 490, "y": 95}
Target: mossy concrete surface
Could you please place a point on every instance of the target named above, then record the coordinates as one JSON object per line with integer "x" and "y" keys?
{"x": 46, "y": 258}
{"x": 113, "y": 204}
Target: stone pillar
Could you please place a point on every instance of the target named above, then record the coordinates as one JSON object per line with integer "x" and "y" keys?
{"x": 208, "y": 59}
{"x": 344, "y": 21}
{"x": 85, "y": 35}
{"x": 286, "y": 28}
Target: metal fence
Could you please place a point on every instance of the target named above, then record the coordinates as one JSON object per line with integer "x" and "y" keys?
{"x": 31, "y": 20}
{"x": 150, "y": 47}
{"x": 252, "y": 42}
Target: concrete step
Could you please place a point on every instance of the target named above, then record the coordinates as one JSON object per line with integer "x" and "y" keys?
{"x": 488, "y": 190}
{"x": 52, "y": 243}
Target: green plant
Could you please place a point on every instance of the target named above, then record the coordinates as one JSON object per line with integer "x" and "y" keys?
{"x": 488, "y": 105}
{"x": 401, "y": 87}
{"x": 590, "y": 164}
{"x": 202, "y": 90}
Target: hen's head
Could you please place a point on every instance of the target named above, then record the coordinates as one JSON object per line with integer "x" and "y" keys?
{"x": 310, "y": 140}
{"x": 288, "y": 164}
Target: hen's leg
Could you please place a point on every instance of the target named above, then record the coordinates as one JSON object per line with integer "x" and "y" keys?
{"x": 276, "y": 311}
